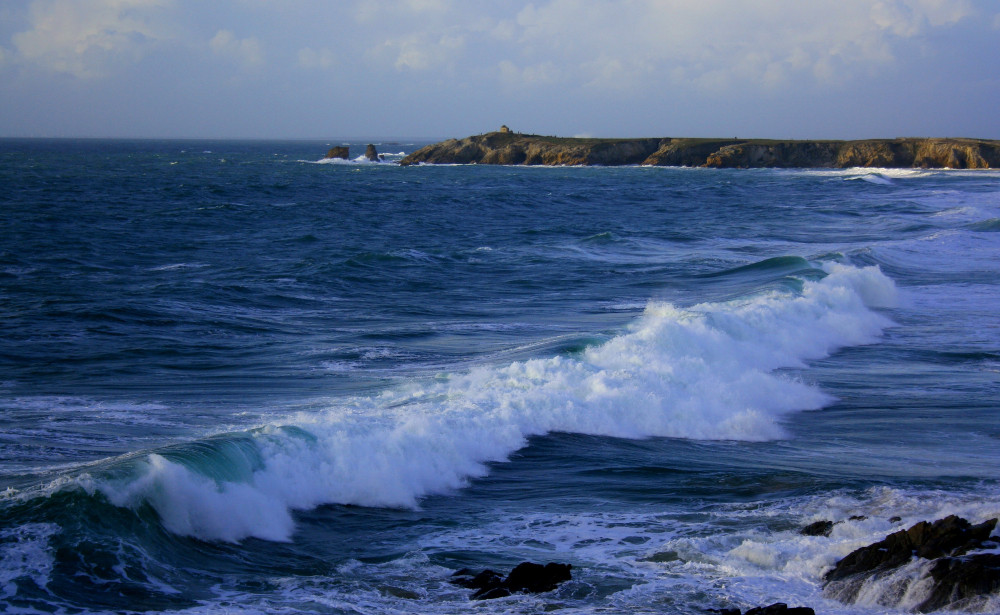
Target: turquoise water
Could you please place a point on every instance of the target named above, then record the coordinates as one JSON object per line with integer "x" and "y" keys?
{"x": 234, "y": 377}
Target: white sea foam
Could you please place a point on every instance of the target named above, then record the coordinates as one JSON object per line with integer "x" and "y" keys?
{"x": 174, "y": 266}
{"x": 24, "y": 552}
{"x": 360, "y": 160}
{"x": 705, "y": 372}
{"x": 872, "y": 178}
{"x": 340, "y": 366}
{"x": 745, "y": 554}
{"x": 64, "y": 411}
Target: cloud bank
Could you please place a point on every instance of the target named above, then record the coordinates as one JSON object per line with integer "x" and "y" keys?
{"x": 783, "y": 68}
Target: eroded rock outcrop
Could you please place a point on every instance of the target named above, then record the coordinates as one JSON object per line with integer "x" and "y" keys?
{"x": 778, "y": 608}
{"x": 371, "y": 153}
{"x": 818, "y": 528}
{"x": 785, "y": 154}
{"x": 516, "y": 149}
{"x": 526, "y": 577}
{"x": 932, "y": 559}
{"x": 339, "y": 152}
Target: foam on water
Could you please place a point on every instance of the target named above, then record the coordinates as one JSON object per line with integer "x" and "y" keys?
{"x": 24, "y": 553}
{"x": 360, "y": 160}
{"x": 741, "y": 554}
{"x": 705, "y": 372}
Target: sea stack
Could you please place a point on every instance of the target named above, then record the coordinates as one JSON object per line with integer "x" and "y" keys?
{"x": 339, "y": 152}
{"x": 371, "y": 153}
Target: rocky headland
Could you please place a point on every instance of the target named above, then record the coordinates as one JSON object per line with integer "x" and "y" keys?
{"x": 510, "y": 148}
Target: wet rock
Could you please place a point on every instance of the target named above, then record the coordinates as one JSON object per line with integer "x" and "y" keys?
{"x": 339, "y": 152}
{"x": 371, "y": 153}
{"x": 951, "y": 536}
{"x": 527, "y": 577}
{"x": 535, "y": 578}
{"x": 399, "y": 592}
{"x": 487, "y": 579}
{"x": 780, "y": 608}
{"x": 819, "y": 528}
{"x": 957, "y": 578}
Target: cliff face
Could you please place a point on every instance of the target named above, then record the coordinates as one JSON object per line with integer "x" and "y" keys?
{"x": 513, "y": 148}
{"x": 922, "y": 153}
{"x": 782, "y": 154}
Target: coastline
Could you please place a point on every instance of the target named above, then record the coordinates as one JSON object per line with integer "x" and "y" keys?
{"x": 510, "y": 148}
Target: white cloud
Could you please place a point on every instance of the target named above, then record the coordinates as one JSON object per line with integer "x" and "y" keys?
{"x": 718, "y": 44}
{"x": 427, "y": 5}
{"x": 504, "y": 31}
{"x": 420, "y": 52}
{"x": 247, "y": 51}
{"x": 316, "y": 58}
{"x": 387, "y": 10}
{"x": 910, "y": 17}
{"x": 89, "y": 38}
{"x": 544, "y": 73}
{"x": 613, "y": 73}
{"x": 717, "y": 59}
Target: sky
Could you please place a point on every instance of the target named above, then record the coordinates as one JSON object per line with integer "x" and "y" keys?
{"x": 322, "y": 69}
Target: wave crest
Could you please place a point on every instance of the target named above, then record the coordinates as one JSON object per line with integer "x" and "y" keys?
{"x": 705, "y": 372}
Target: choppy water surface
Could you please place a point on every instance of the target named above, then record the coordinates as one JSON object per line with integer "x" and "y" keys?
{"x": 234, "y": 378}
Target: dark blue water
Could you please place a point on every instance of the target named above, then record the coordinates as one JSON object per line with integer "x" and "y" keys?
{"x": 236, "y": 379}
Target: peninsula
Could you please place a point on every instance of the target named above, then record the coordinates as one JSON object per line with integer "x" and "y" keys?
{"x": 511, "y": 148}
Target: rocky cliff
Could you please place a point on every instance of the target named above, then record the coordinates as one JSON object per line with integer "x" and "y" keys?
{"x": 515, "y": 148}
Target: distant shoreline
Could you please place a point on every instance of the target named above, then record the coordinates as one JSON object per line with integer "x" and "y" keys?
{"x": 510, "y": 148}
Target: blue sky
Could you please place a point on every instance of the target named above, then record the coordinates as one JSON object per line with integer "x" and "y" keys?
{"x": 806, "y": 69}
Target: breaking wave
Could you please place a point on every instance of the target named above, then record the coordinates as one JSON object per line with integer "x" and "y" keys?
{"x": 711, "y": 371}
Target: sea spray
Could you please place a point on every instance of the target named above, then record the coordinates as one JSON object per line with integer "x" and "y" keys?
{"x": 706, "y": 372}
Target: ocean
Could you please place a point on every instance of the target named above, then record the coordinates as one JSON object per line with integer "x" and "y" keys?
{"x": 238, "y": 378}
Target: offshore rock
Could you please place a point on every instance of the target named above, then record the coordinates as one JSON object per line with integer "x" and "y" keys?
{"x": 778, "y": 608}
{"x": 819, "y": 528}
{"x": 956, "y": 579}
{"x": 526, "y": 577}
{"x": 521, "y": 149}
{"x": 339, "y": 152}
{"x": 371, "y": 153}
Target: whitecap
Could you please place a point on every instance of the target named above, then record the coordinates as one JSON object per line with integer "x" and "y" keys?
{"x": 708, "y": 372}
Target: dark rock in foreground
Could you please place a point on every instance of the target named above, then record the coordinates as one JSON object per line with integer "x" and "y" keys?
{"x": 781, "y": 608}
{"x": 527, "y": 577}
{"x": 371, "y": 153}
{"x": 961, "y": 580}
{"x": 958, "y": 579}
{"x": 520, "y": 149}
{"x": 339, "y": 152}
{"x": 778, "y": 608}
{"x": 819, "y": 528}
